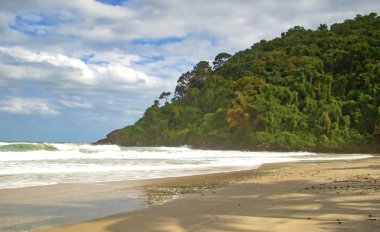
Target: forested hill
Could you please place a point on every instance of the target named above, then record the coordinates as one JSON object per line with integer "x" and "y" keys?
{"x": 306, "y": 90}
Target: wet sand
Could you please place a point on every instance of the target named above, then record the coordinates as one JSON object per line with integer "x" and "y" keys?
{"x": 312, "y": 196}
{"x": 24, "y": 209}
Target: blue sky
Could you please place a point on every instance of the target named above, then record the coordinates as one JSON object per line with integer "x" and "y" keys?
{"x": 72, "y": 71}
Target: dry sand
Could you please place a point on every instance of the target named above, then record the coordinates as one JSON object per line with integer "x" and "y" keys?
{"x": 311, "y": 196}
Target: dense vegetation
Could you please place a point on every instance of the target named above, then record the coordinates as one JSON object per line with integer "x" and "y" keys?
{"x": 307, "y": 90}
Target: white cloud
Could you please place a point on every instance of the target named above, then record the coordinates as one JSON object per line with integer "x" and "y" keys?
{"x": 76, "y": 104}
{"x": 207, "y": 27}
{"x": 237, "y": 22}
{"x": 69, "y": 72}
{"x": 42, "y": 65}
{"x": 28, "y": 106}
{"x": 111, "y": 57}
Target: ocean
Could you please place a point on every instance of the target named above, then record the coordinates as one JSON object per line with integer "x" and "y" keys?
{"x": 43, "y": 184}
{"x": 38, "y": 164}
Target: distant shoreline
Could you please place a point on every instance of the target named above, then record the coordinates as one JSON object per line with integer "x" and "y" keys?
{"x": 366, "y": 149}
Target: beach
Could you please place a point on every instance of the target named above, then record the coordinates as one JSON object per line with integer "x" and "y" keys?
{"x": 313, "y": 196}
{"x": 68, "y": 183}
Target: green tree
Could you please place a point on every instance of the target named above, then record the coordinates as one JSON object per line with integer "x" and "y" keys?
{"x": 164, "y": 95}
{"x": 220, "y": 59}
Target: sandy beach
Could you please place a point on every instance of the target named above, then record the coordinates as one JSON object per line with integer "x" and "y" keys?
{"x": 312, "y": 196}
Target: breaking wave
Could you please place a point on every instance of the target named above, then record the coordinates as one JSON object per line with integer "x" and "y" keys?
{"x": 37, "y": 164}
{"x": 24, "y": 147}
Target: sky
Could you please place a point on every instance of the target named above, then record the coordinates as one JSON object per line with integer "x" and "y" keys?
{"x": 72, "y": 71}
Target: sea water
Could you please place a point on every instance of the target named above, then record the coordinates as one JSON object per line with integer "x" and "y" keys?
{"x": 37, "y": 164}
{"x": 44, "y": 184}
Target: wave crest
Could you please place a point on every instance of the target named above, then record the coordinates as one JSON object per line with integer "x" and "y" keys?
{"x": 22, "y": 147}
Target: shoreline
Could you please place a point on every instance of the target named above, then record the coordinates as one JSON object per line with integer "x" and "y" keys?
{"x": 312, "y": 195}
{"x": 367, "y": 148}
{"x": 34, "y": 208}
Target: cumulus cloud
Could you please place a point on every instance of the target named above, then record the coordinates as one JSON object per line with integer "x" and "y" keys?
{"x": 42, "y": 65}
{"x": 112, "y": 74}
{"x": 218, "y": 26}
{"x": 236, "y": 22}
{"x": 16, "y": 105}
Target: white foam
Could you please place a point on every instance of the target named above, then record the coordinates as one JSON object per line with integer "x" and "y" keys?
{"x": 4, "y": 143}
{"x": 80, "y": 163}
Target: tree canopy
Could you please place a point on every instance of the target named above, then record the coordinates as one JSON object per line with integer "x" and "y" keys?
{"x": 306, "y": 90}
